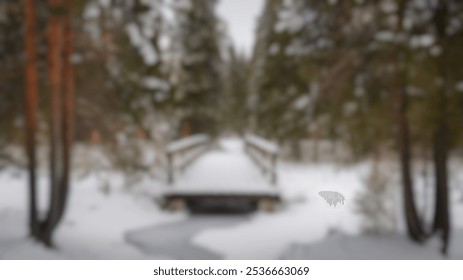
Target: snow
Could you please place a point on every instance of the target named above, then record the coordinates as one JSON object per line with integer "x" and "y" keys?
{"x": 422, "y": 41}
{"x": 287, "y": 20}
{"x": 154, "y": 83}
{"x": 302, "y": 102}
{"x": 225, "y": 169}
{"x": 187, "y": 142}
{"x": 263, "y": 144}
{"x": 94, "y": 226}
{"x": 373, "y": 248}
{"x": 143, "y": 45}
{"x": 459, "y": 86}
{"x": 107, "y": 219}
{"x": 174, "y": 239}
{"x": 305, "y": 217}
{"x": 385, "y": 36}
{"x": 388, "y": 6}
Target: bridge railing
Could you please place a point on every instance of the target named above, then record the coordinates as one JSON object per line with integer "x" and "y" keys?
{"x": 183, "y": 152}
{"x": 264, "y": 153}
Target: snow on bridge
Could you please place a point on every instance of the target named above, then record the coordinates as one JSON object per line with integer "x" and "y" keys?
{"x": 225, "y": 171}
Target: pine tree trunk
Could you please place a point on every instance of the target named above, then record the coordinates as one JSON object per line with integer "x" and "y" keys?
{"x": 31, "y": 88}
{"x": 441, "y": 217}
{"x": 67, "y": 110}
{"x": 55, "y": 75}
{"x": 59, "y": 130}
{"x": 414, "y": 225}
{"x": 441, "y": 135}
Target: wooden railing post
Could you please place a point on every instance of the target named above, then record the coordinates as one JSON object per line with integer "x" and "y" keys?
{"x": 273, "y": 180}
{"x": 177, "y": 150}
{"x": 265, "y": 169}
{"x": 170, "y": 168}
{"x": 266, "y": 158}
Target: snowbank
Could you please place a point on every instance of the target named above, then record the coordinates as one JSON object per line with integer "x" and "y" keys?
{"x": 392, "y": 247}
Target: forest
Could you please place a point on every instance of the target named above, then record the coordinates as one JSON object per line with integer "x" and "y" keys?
{"x": 93, "y": 91}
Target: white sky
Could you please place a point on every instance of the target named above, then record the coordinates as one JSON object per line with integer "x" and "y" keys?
{"x": 241, "y": 17}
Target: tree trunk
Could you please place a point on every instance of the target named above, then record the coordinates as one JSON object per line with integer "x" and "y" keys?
{"x": 31, "y": 91}
{"x": 67, "y": 110}
{"x": 186, "y": 128}
{"x": 441, "y": 134}
{"x": 441, "y": 216}
{"x": 61, "y": 117}
{"x": 55, "y": 76}
{"x": 414, "y": 225}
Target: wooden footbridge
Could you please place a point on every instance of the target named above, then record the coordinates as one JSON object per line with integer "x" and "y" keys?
{"x": 220, "y": 173}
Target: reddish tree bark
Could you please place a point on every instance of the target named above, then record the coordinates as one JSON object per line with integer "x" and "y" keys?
{"x": 67, "y": 109}
{"x": 55, "y": 78}
{"x": 61, "y": 88}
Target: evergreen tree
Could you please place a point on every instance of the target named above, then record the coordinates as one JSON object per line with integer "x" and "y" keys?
{"x": 138, "y": 79}
{"x": 234, "y": 102}
{"x": 11, "y": 74}
{"x": 280, "y": 91}
{"x": 197, "y": 73}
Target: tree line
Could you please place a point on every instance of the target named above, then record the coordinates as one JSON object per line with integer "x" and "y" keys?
{"x": 379, "y": 75}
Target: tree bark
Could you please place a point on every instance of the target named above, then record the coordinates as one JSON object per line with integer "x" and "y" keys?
{"x": 55, "y": 76}
{"x": 441, "y": 135}
{"x": 414, "y": 224}
{"x": 61, "y": 85}
{"x": 441, "y": 216}
{"x": 67, "y": 110}
{"x": 31, "y": 92}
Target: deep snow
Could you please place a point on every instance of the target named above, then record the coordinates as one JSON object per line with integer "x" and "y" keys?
{"x": 125, "y": 222}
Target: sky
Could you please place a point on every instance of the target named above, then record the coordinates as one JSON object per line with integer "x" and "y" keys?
{"x": 241, "y": 17}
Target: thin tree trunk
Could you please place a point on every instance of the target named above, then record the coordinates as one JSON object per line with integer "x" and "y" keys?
{"x": 414, "y": 225}
{"x": 55, "y": 75}
{"x": 31, "y": 91}
{"x": 67, "y": 110}
{"x": 441, "y": 135}
{"x": 441, "y": 216}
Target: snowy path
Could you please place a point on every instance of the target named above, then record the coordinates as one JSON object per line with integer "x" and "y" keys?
{"x": 224, "y": 169}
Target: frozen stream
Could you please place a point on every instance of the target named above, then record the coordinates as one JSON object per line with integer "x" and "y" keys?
{"x": 176, "y": 239}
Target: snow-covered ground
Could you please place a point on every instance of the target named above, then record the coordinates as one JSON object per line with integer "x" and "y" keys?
{"x": 362, "y": 247}
{"x": 94, "y": 225}
{"x": 118, "y": 222}
{"x": 304, "y": 217}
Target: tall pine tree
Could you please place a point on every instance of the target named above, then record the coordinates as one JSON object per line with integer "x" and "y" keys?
{"x": 197, "y": 73}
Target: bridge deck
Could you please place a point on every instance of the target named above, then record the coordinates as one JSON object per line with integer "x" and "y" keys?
{"x": 224, "y": 171}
